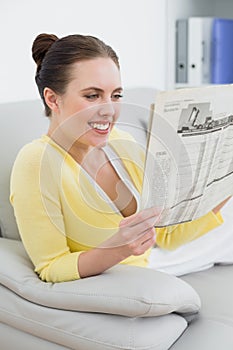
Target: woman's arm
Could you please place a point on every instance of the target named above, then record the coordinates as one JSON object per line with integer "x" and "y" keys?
{"x": 35, "y": 198}
{"x": 174, "y": 236}
{"x": 135, "y": 235}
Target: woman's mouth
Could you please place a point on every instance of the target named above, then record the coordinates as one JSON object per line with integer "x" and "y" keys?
{"x": 100, "y": 127}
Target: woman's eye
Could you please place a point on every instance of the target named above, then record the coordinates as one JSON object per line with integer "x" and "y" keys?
{"x": 92, "y": 96}
{"x": 117, "y": 96}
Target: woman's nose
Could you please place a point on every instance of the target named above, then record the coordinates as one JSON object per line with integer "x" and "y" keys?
{"x": 106, "y": 109}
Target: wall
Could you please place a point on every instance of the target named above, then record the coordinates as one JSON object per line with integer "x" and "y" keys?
{"x": 134, "y": 28}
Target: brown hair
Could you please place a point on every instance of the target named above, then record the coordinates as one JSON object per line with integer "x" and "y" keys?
{"x": 54, "y": 58}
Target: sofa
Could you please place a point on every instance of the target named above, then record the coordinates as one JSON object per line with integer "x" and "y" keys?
{"x": 126, "y": 307}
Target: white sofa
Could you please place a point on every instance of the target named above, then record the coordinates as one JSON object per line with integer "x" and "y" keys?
{"x": 124, "y": 308}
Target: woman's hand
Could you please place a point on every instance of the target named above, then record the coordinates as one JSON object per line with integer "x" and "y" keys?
{"x": 219, "y": 206}
{"x": 135, "y": 235}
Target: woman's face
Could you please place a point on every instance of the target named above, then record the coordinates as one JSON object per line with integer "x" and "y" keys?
{"x": 90, "y": 106}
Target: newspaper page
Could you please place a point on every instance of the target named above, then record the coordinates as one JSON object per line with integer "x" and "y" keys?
{"x": 189, "y": 161}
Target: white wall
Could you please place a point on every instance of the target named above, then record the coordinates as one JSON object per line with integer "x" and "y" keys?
{"x": 134, "y": 28}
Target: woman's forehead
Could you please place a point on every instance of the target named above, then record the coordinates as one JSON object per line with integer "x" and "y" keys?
{"x": 98, "y": 73}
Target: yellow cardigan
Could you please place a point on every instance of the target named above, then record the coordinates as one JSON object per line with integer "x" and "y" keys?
{"x": 60, "y": 214}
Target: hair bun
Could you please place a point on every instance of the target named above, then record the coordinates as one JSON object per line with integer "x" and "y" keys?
{"x": 40, "y": 46}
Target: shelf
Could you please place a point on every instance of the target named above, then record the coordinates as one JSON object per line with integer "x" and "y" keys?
{"x": 177, "y": 9}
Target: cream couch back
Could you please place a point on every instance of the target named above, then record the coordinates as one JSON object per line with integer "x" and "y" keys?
{"x": 20, "y": 122}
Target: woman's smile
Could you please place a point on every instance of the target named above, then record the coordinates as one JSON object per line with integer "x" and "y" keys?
{"x": 100, "y": 127}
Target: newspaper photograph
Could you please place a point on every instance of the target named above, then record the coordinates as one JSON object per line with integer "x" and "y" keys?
{"x": 189, "y": 160}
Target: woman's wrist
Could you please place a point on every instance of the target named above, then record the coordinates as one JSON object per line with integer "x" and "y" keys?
{"x": 98, "y": 260}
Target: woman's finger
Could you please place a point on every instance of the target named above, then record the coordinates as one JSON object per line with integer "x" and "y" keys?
{"x": 142, "y": 216}
{"x": 143, "y": 243}
{"x": 220, "y": 205}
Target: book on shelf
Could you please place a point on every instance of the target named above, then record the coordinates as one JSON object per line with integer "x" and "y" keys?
{"x": 204, "y": 51}
{"x": 181, "y": 51}
{"x": 222, "y": 51}
{"x": 199, "y": 50}
{"x": 189, "y": 158}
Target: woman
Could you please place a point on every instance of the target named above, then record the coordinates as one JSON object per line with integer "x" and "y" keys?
{"x": 75, "y": 191}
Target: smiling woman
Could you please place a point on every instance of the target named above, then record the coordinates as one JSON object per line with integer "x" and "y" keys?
{"x": 91, "y": 99}
{"x": 76, "y": 190}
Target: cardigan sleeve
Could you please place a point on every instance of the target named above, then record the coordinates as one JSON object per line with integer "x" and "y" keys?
{"x": 172, "y": 237}
{"x": 39, "y": 217}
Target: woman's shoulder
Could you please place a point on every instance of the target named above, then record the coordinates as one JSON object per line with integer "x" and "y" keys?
{"x": 27, "y": 164}
{"x": 31, "y": 152}
{"x": 41, "y": 155}
{"x": 36, "y": 153}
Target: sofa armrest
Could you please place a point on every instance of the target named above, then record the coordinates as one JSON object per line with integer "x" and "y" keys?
{"x": 122, "y": 290}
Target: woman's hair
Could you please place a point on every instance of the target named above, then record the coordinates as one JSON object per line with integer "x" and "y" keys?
{"x": 54, "y": 58}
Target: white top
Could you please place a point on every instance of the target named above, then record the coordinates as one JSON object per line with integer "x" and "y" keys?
{"x": 123, "y": 175}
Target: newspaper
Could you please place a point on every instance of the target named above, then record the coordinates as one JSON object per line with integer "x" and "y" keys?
{"x": 189, "y": 161}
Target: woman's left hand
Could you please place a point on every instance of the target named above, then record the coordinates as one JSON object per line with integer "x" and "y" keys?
{"x": 219, "y": 206}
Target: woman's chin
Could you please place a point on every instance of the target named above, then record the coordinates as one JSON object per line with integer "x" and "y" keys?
{"x": 99, "y": 137}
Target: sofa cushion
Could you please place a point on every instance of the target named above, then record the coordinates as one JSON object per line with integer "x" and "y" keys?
{"x": 13, "y": 338}
{"x": 89, "y": 331}
{"x": 214, "y": 327}
{"x": 124, "y": 290}
{"x": 20, "y": 123}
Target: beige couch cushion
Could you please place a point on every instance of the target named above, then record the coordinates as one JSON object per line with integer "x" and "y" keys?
{"x": 213, "y": 330}
{"x": 54, "y": 311}
{"x": 89, "y": 331}
{"x": 124, "y": 290}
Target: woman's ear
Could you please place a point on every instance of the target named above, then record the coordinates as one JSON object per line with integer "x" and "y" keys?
{"x": 51, "y": 99}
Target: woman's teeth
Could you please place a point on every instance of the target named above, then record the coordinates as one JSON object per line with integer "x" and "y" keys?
{"x": 99, "y": 126}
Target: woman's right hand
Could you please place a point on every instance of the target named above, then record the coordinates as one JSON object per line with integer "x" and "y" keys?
{"x": 136, "y": 233}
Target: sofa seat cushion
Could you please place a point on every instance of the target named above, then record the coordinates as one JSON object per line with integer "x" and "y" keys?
{"x": 46, "y": 310}
{"x": 89, "y": 331}
{"x": 124, "y": 290}
{"x": 215, "y": 320}
{"x": 12, "y": 338}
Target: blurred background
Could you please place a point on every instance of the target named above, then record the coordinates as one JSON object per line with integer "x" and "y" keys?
{"x": 143, "y": 33}
{"x": 129, "y": 26}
